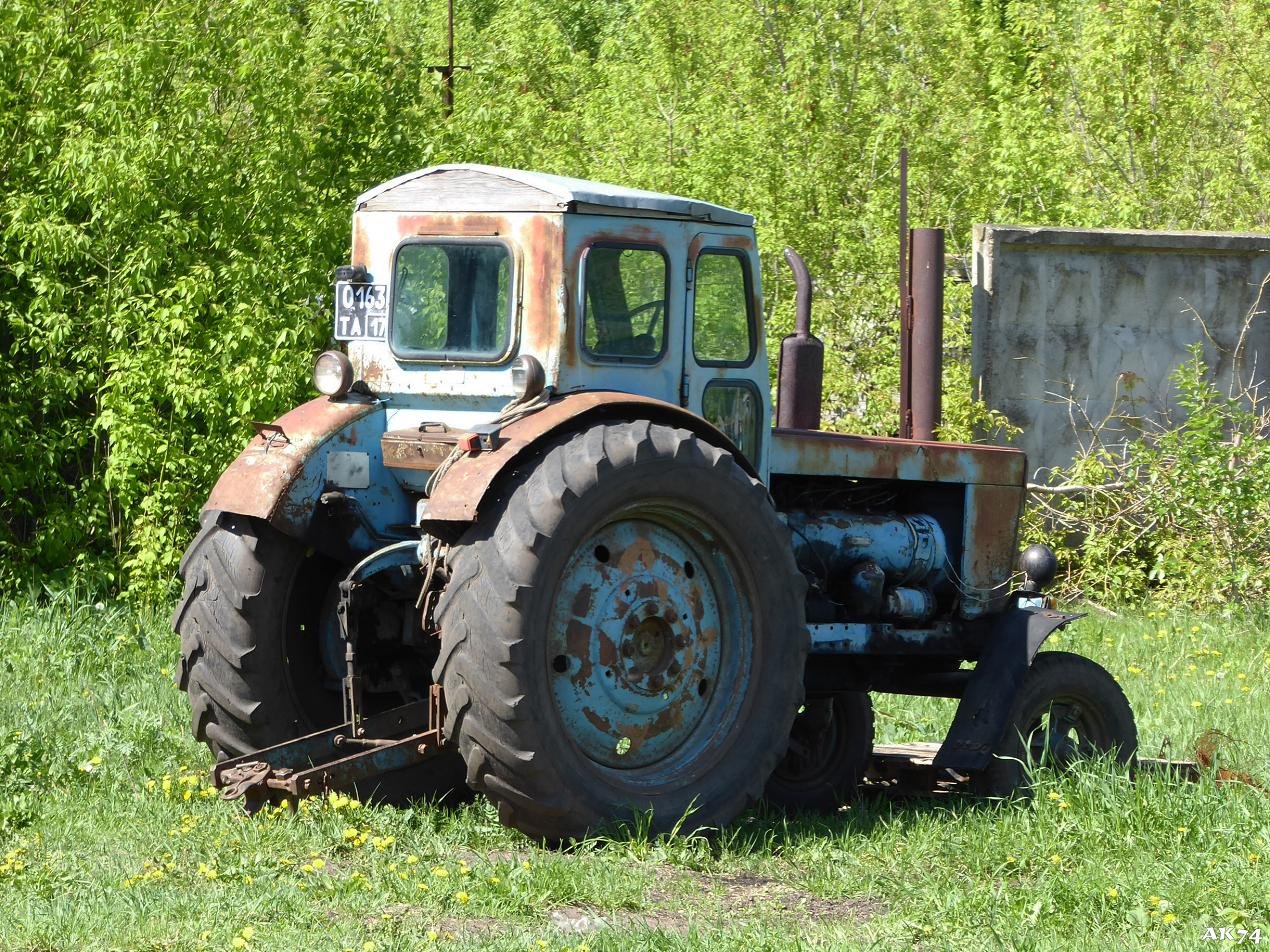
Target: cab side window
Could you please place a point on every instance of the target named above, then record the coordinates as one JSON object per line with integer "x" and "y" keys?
{"x": 722, "y": 318}
{"x": 624, "y": 301}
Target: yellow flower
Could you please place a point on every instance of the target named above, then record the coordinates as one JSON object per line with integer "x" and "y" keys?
{"x": 1254, "y": 857}
{"x": 433, "y": 935}
{"x": 239, "y": 942}
{"x": 1063, "y": 804}
{"x": 462, "y": 896}
{"x": 1113, "y": 893}
{"x": 1169, "y": 917}
{"x": 1197, "y": 704}
{"x": 247, "y": 933}
{"x": 319, "y": 863}
{"x": 440, "y": 871}
{"x": 1153, "y": 900}
{"x": 1134, "y": 669}
{"x": 1053, "y": 795}
{"x": 412, "y": 859}
{"x": 1056, "y": 859}
{"x": 1184, "y": 829}
{"x": 1010, "y": 859}
{"x": 368, "y": 946}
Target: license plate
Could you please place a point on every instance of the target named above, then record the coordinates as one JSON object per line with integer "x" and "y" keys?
{"x": 361, "y": 311}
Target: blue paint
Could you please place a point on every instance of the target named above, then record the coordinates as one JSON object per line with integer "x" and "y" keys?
{"x": 649, "y": 643}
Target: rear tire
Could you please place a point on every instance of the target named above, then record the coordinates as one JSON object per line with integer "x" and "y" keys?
{"x": 622, "y": 633}
{"x": 830, "y": 749}
{"x": 1069, "y": 708}
{"x": 249, "y": 591}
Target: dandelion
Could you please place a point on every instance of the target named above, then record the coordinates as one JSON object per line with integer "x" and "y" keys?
{"x": 1063, "y": 804}
{"x": 1184, "y": 830}
{"x": 1168, "y": 917}
{"x": 1052, "y": 795}
{"x": 411, "y": 859}
{"x": 1134, "y": 669}
{"x": 461, "y": 896}
{"x": 318, "y": 863}
{"x": 433, "y": 935}
{"x": 494, "y": 880}
{"x": 1197, "y": 704}
{"x": 440, "y": 872}
{"x": 1010, "y": 860}
{"x": 1056, "y": 860}
{"x": 248, "y": 933}
{"x": 239, "y": 942}
{"x": 1113, "y": 893}
{"x": 368, "y": 946}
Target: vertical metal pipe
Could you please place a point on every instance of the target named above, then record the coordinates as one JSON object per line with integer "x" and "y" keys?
{"x": 906, "y": 323}
{"x": 927, "y": 346}
{"x": 801, "y": 371}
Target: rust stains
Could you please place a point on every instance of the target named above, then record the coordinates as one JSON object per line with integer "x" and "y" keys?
{"x": 258, "y": 482}
{"x": 808, "y": 453}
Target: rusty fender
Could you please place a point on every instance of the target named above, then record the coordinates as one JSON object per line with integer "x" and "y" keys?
{"x": 457, "y": 497}
{"x": 984, "y": 712}
{"x": 281, "y": 473}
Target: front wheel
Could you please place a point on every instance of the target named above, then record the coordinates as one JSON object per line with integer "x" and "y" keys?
{"x": 829, "y": 751}
{"x": 1069, "y": 708}
{"x": 622, "y": 633}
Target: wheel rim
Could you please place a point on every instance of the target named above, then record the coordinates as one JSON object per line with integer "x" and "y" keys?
{"x": 650, "y": 641}
{"x": 815, "y": 749}
{"x": 1069, "y": 729}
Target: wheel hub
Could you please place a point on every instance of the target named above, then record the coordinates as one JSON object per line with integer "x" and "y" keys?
{"x": 634, "y": 644}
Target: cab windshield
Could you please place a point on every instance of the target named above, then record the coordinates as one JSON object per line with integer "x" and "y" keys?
{"x": 452, "y": 300}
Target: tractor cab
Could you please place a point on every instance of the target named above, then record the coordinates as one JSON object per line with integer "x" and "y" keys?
{"x": 469, "y": 283}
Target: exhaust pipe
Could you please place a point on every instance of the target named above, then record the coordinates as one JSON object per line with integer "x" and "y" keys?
{"x": 801, "y": 370}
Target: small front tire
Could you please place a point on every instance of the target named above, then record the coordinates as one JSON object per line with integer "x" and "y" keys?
{"x": 1069, "y": 708}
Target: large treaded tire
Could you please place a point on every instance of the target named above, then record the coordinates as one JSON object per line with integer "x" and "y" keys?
{"x": 240, "y": 578}
{"x": 507, "y": 572}
{"x": 1093, "y": 715}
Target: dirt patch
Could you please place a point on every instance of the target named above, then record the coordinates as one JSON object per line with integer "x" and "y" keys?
{"x": 745, "y": 895}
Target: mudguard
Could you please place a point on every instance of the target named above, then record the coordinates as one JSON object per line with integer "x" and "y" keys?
{"x": 980, "y": 723}
{"x": 282, "y": 473}
{"x": 457, "y": 498}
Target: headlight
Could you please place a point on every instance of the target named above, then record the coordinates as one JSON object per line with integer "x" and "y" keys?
{"x": 333, "y": 373}
{"x": 528, "y": 377}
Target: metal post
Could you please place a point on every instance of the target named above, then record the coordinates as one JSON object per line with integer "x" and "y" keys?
{"x": 927, "y": 330}
{"x": 906, "y": 308}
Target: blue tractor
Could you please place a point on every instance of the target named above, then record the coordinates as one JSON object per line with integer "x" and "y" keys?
{"x": 539, "y": 539}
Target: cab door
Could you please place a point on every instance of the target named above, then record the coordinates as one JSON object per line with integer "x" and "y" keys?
{"x": 725, "y": 376}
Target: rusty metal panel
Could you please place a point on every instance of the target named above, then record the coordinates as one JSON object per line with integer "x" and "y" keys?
{"x": 414, "y": 449}
{"x": 259, "y": 482}
{"x": 460, "y": 491}
{"x": 536, "y": 241}
{"x": 801, "y": 453}
{"x": 989, "y": 547}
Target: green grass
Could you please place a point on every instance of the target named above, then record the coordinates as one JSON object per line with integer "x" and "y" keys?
{"x": 94, "y": 730}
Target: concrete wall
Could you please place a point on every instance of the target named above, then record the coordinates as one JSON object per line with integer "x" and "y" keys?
{"x": 1099, "y": 315}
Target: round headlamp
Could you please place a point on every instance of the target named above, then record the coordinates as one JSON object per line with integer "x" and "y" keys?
{"x": 333, "y": 373}
{"x": 528, "y": 377}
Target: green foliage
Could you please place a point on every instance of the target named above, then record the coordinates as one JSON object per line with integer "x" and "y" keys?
{"x": 1176, "y": 525}
{"x": 177, "y": 183}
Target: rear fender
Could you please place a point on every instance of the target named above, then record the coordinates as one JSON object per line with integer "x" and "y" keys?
{"x": 321, "y": 447}
{"x": 457, "y": 499}
{"x": 982, "y": 717}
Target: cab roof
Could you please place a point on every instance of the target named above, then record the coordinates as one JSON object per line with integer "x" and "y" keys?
{"x": 487, "y": 188}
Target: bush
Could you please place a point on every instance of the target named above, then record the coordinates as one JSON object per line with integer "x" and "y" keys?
{"x": 1171, "y": 514}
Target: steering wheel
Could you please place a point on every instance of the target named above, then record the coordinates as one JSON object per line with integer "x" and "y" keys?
{"x": 659, "y": 305}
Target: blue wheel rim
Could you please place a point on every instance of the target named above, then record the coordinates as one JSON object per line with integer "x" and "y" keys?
{"x": 649, "y": 644}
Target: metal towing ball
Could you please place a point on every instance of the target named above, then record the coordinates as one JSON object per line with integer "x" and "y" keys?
{"x": 538, "y": 538}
